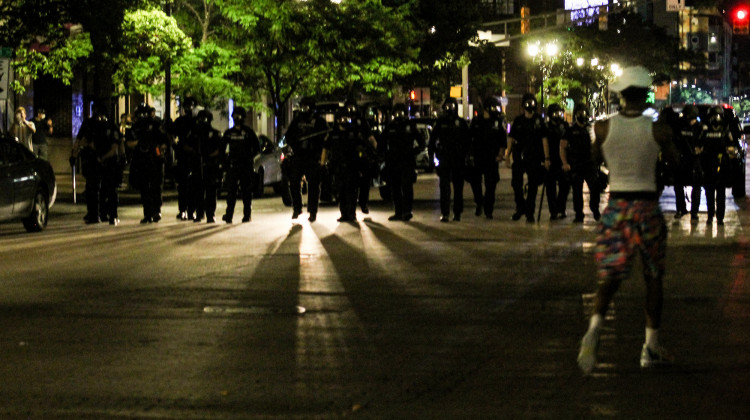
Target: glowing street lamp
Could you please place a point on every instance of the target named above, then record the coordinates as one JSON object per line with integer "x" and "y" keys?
{"x": 536, "y": 51}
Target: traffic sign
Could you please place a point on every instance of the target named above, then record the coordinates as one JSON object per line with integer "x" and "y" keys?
{"x": 4, "y": 78}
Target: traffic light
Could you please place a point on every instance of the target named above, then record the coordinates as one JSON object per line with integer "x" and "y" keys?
{"x": 740, "y": 20}
{"x": 413, "y": 95}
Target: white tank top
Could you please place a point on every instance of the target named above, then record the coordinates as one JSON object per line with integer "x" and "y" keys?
{"x": 631, "y": 154}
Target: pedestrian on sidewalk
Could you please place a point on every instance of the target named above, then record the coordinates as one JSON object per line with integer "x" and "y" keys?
{"x": 21, "y": 129}
{"x": 629, "y": 143}
{"x": 43, "y": 127}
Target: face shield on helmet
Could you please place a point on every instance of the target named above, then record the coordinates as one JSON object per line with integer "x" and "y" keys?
{"x": 399, "y": 112}
{"x": 188, "y": 106}
{"x": 450, "y": 107}
{"x": 238, "y": 115}
{"x": 342, "y": 117}
{"x": 493, "y": 106}
{"x": 555, "y": 112}
{"x": 143, "y": 111}
{"x": 351, "y": 108}
{"x": 581, "y": 116}
{"x": 690, "y": 112}
{"x": 716, "y": 117}
{"x": 205, "y": 117}
{"x": 528, "y": 103}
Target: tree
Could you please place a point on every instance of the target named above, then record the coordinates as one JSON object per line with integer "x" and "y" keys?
{"x": 151, "y": 39}
{"x": 289, "y": 47}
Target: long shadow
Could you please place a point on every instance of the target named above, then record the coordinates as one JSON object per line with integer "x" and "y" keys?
{"x": 261, "y": 317}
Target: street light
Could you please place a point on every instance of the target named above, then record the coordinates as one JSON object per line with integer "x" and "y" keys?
{"x": 536, "y": 51}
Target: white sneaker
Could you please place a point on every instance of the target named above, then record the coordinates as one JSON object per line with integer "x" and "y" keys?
{"x": 587, "y": 354}
{"x": 655, "y": 357}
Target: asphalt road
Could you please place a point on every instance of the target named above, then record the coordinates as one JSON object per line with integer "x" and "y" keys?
{"x": 389, "y": 320}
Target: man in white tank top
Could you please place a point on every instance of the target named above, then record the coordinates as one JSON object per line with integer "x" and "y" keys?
{"x": 629, "y": 143}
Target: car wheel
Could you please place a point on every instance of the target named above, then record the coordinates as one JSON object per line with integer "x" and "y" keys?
{"x": 37, "y": 220}
{"x": 258, "y": 193}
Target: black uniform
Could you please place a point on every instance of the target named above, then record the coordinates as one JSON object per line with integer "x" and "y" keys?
{"x": 345, "y": 148}
{"x": 528, "y": 158}
{"x": 305, "y": 137}
{"x": 689, "y": 172}
{"x": 556, "y": 183}
{"x": 450, "y": 143}
{"x": 717, "y": 168}
{"x": 205, "y": 144}
{"x": 400, "y": 142}
{"x": 488, "y": 138}
{"x": 147, "y": 166}
{"x": 242, "y": 147}
{"x": 582, "y": 168}
{"x": 369, "y": 161}
{"x": 180, "y": 129}
{"x": 100, "y": 141}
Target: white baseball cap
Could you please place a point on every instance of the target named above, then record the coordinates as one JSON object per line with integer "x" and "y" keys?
{"x": 636, "y": 76}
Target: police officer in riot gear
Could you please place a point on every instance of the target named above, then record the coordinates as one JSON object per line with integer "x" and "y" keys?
{"x": 578, "y": 164}
{"x": 489, "y": 140}
{"x": 242, "y": 147}
{"x": 147, "y": 165}
{"x": 687, "y": 139}
{"x": 450, "y": 142}
{"x": 342, "y": 153}
{"x": 556, "y": 183}
{"x": 99, "y": 146}
{"x": 369, "y": 159}
{"x": 305, "y": 137}
{"x": 204, "y": 145}
{"x": 530, "y": 156}
{"x": 179, "y": 131}
{"x": 400, "y": 143}
{"x": 718, "y": 156}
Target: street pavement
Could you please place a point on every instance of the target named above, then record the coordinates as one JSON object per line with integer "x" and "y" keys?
{"x": 478, "y": 319}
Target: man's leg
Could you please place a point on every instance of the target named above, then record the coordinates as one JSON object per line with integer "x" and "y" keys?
{"x": 653, "y": 233}
{"x": 613, "y": 258}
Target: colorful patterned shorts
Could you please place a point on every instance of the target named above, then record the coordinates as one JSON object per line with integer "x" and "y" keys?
{"x": 625, "y": 226}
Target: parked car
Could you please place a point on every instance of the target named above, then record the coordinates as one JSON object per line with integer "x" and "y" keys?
{"x": 27, "y": 186}
{"x": 267, "y": 166}
{"x": 424, "y": 159}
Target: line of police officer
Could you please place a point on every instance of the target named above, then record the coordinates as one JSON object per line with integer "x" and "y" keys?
{"x": 709, "y": 159}
{"x": 201, "y": 153}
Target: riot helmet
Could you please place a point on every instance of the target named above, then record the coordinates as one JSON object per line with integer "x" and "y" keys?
{"x": 399, "y": 111}
{"x": 716, "y": 116}
{"x": 205, "y": 117}
{"x": 528, "y": 102}
{"x": 450, "y": 107}
{"x": 99, "y": 110}
{"x": 351, "y": 108}
{"x": 238, "y": 115}
{"x": 142, "y": 111}
{"x": 342, "y": 117}
{"x": 307, "y": 106}
{"x": 581, "y": 114}
{"x": 690, "y": 112}
{"x": 493, "y": 106}
{"x": 555, "y": 112}
{"x": 188, "y": 105}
